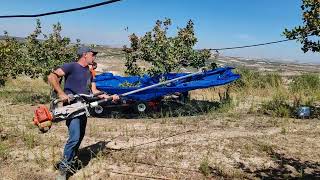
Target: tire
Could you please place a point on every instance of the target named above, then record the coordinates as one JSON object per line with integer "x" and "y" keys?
{"x": 141, "y": 107}
{"x": 98, "y": 111}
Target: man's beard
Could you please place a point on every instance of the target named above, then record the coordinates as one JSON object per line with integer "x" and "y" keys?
{"x": 94, "y": 65}
{"x": 90, "y": 62}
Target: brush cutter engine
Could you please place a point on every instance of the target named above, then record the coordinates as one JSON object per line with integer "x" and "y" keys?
{"x": 43, "y": 117}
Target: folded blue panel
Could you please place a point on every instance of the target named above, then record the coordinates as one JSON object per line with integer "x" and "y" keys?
{"x": 112, "y": 84}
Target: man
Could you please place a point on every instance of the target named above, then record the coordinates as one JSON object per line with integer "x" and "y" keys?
{"x": 78, "y": 80}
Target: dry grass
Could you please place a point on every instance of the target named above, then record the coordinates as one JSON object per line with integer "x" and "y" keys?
{"x": 231, "y": 142}
{"x": 219, "y": 145}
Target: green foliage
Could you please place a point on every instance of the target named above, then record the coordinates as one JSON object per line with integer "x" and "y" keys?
{"x": 278, "y": 106}
{"x": 27, "y": 97}
{"x": 305, "y": 89}
{"x": 226, "y": 102}
{"x": 253, "y": 79}
{"x": 311, "y": 26}
{"x": 164, "y": 54}
{"x": 44, "y": 55}
{"x": 35, "y": 57}
{"x": 128, "y": 84}
{"x": 226, "y": 106}
{"x": 204, "y": 168}
{"x": 4, "y": 151}
{"x": 11, "y": 55}
{"x": 273, "y": 80}
{"x": 305, "y": 83}
{"x": 30, "y": 140}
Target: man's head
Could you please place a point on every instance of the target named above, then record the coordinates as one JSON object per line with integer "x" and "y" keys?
{"x": 86, "y": 54}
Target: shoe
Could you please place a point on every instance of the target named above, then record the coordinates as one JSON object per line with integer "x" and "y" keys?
{"x": 76, "y": 164}
{"x": 57, "y": 165}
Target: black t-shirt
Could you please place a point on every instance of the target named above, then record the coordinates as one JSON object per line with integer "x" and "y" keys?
{"x": 77, "y": 78}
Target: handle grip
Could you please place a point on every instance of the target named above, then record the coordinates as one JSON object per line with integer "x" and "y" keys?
{"x": 72, "y": 97}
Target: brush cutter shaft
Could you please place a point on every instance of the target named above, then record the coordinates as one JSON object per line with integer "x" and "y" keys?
{"x": 72, "y": 97}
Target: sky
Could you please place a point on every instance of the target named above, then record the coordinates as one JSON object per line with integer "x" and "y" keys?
{"x": 218, "y": 23}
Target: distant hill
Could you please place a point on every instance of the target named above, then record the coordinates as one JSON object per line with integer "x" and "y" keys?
{"x": 17, "y": 38}
{"x": 265, "y": 65}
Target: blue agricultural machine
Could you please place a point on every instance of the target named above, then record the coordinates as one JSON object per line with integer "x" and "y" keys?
{"x": 145, "y": 92}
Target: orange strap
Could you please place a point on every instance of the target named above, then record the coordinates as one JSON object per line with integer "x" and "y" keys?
{"x": 93, "y": 72}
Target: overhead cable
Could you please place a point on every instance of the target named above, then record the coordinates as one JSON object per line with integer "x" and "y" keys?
{"x": 236, "y": 47}
{"x": 60, "y": 12}
{"x": 253, "y": 45}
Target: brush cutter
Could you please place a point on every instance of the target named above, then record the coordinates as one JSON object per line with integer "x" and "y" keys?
{"x": 80, "y": 105}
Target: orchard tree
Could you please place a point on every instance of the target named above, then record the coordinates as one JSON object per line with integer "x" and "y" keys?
{"x": 37, "y": 56}
{"x": 308, "y": 34}
{"x": 164, "y": 54}
{"x": 45, "y": 52}
{"x": 11, "y": 55}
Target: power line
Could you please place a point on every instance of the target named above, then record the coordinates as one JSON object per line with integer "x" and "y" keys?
{"x": 60, "y": 12}
{"x": 253, "y": 45}
{"x": 236, "y": 47}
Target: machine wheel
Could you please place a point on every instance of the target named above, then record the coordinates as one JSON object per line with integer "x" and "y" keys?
{"x": 98, "y": 111}
{"x": 141, "y": 107}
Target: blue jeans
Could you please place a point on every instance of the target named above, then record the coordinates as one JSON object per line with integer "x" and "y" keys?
{"x": 77, "y": 129}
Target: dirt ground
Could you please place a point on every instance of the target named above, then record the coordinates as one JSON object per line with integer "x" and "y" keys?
{"x": 178, "y": 143}
{"x": 214, "y": 145}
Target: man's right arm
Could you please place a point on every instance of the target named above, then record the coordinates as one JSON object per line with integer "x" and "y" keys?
{"x": 53, "y": 79}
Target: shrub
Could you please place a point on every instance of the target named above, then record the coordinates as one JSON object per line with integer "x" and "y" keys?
{"x": 253, "y": 79}
{"x": 4, "y": 151}
{"x": 278, "y": 106}
{"x": 204, "y": 168}
{"x": 305, "y": 89}
{"x": 305, "y": 83}
{"x": 273, "y": 80}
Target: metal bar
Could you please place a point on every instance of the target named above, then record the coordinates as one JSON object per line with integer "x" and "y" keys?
{"x": 159, "y": 84}
{"x": 96, "y": 103}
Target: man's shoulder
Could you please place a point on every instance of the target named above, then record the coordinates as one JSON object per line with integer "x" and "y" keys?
{"x": 69, "y": 64}
{"x": 68, "y": 67}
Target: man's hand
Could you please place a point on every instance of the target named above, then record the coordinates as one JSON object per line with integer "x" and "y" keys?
{"x": 115, "y": 97}
{"x": 105, "y": 96}
{"x": 64, "y": 97}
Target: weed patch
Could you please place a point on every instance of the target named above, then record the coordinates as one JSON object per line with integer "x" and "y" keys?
{"x": 277, "y": 107}
{"x": 204, "y": 168}
{"x": 30, "y": 140}
{"x": 253, "y": 79}
{"x": 4, "y": 151}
